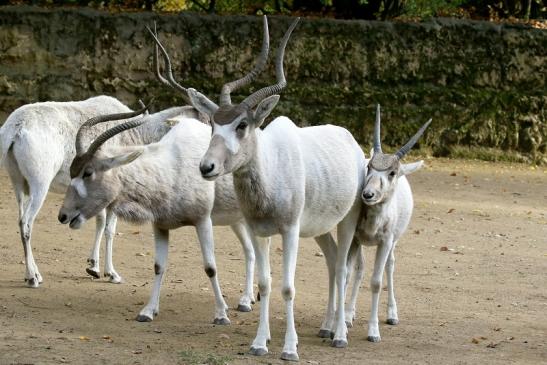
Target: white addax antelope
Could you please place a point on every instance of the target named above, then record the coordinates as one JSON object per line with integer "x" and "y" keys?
{"x": 297, "y": 182}
{"x": 385, "y": 216}
{"x": 36, "y": 148}
{"x": 159, "y": 183}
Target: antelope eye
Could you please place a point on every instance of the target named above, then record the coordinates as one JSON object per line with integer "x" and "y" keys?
{"x": 241, "y": 126}
{"x": 392, "y": 174}
{"x": 87, "y": 173}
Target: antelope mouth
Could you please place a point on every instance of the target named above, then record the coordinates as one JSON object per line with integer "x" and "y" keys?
{"x": 76, "y": 222}
{"x": 211, "y": 177}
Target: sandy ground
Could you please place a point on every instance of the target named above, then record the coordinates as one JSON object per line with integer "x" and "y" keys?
{"x": 481, "y": 301}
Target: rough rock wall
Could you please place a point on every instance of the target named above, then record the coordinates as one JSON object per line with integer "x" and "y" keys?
{"x": 483, "y": 84}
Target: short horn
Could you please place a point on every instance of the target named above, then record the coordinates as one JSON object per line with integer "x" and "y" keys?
{"x": 259, "y": 67}
{"x": 406, "y": 148}
{"x": 255, "y": 98}
{"x": 80, "y": 148}
{"x": 377, "y": 141}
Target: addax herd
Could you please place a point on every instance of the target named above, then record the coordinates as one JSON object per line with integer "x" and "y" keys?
{"x": 209, "y": 164}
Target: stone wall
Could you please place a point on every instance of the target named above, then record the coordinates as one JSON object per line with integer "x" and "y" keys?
{"x": 482, "y": 83}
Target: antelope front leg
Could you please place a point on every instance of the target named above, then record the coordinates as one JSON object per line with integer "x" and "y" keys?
{"x": 110, "y": 231}
{"x": 152, "y": 309}
{"x": 290, "y": 251}
{"x": 242, "y": 233}
{"x": 382, "y": 252}
{"x": 205, "y": 236}
{"x": 345, "y": 233}
{"x": 392, "y": 317}
{"x": 262, "y": 251}
{"x": 93, "y": 260}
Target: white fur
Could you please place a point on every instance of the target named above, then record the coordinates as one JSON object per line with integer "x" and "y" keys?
{"x": 37, "y": 147}
{"x": 161, "y": 183}
{"x": 78, "y": 184}
{"x": 297, "y": 182}
{"x": 384, "y": 220}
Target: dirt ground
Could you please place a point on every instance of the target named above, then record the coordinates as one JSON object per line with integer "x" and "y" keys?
{"x": 470, "y": 283}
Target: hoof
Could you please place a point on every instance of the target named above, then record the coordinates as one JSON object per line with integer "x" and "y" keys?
{"x": 114, "y": 279}
{"x": 325, "y": 334}
{"x": 349, "y": 324}
{"x": 244, "y": 308}
{"x": 144, "y": 318}
{"x": 340, "y": 344}
{"x": 93, "y": 273}
{"x": 221, "y": 321}
{"x": 32, "y": 283}
{"x": 392, "y": 321}
{"x": 258, "y": 351}
{"x": 290, "y": 356}
{"x": 373, "y": 338}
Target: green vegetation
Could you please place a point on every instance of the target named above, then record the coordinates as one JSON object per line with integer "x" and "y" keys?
{"x": 355, "y": 9}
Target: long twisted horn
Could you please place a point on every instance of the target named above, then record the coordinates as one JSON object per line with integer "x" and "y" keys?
{"x": 253, "y": 99}
{"x": 259, "y": 67}
{"x": 81, "y": 159}
{"x": 170, "y": 81}
{"x": 80, "y": 148}
{"x": 406, "y": 148}
{"x": 377, "y": 141}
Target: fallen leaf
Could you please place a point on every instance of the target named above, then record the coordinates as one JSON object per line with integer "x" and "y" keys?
{"x": 475, "y": 340}
{"x": 451, "y": 210}
{"x": 492, "y": 345}
{"x": 444, "y": 248}
{"x": 319, "y": 254}
{"x": 157, "y": 330}
{"x": 84, "y": 338}
{"x": 453, "y": 174}
{"x": 140, "y": 254}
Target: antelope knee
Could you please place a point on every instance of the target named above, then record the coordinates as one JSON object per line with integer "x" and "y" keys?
{"x": 375, "y": 285}
{"x": 288, "y": 293}
{"x": 210, "y": 271}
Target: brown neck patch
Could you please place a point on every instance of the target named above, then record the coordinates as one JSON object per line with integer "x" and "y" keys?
{"x": 382, "y": 162}
{"x": 226, "y": 114}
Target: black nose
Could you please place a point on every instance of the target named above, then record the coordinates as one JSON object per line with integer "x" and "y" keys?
{"x": 63, "y": 218}
{"x": 368, "y": 195}
{"x": 206, "y": 168}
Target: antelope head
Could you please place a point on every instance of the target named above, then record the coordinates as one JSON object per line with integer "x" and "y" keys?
{"x": 93, "y": 187}
{"x": 385, "y": 169}
{"x": 233, "y": 137}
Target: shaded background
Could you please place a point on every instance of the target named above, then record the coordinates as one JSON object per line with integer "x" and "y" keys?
{"x": 482, "y": 83}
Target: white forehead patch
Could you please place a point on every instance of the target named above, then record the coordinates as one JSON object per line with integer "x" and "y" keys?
{"x": 78, "y": 184}
{"x": 227, "y": 132}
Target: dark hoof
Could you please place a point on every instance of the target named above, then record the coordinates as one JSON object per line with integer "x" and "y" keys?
{"x": 290, "y": 356}
{"x": 32, "y": 283}
{"x": 95, "y": 274}
{"x": 349, "y": 324}
{"x": 340, "y": 344}
{"x": 392, "y": 321}
{"x": 373, "y": 338}
{"x": 325, "y": 334}
{"x": 244, "y": 308}
{"x": 143, "y": 318}
{"x": 221, "y": 321}
{"x": 258, "y": 351}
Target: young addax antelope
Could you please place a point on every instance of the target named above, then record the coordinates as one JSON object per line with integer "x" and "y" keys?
{"x": 385, "y": 216}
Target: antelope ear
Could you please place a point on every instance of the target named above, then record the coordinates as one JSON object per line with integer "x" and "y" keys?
{"x": 117, "y": 161}
{"x": 264, "y": 109}
{"x": 201, "y": 102}
{"x": 409, "y": 168}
